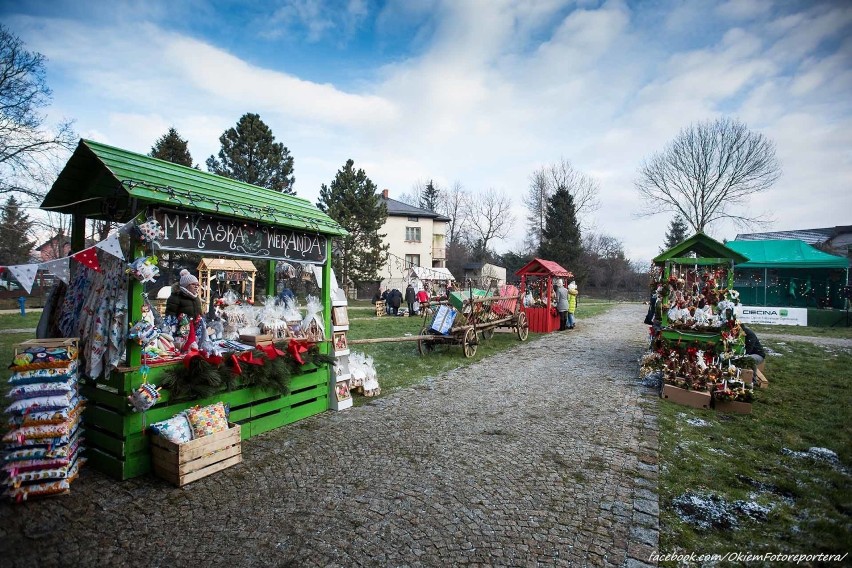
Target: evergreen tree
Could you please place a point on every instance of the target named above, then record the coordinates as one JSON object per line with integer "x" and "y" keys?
{"x": 430, "y": 198}
{"x": 249, "y": 153}
{"x": 172, "y": 148}
{"x": 560, "y": 240}
{"x": 15, "y": 225}
{"x": 352, "y": 201}
{"x": 676, "y": 233}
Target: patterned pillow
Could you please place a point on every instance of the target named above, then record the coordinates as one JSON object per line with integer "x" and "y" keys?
{"x": 41, "y": 404}
{"x": 206, "y": 420}
{"x": 44, "y": 375}
{"x": 176, "y": 429}
{"x": 33, "y": 390}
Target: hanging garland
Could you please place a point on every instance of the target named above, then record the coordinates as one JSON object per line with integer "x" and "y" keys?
{"x": 267, "y": 367}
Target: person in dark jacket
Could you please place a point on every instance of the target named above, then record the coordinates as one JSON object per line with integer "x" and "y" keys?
{"x": 410, "y": 297}
{"x": 394, "y": 301}
{"x": 753, "y": 348}
{"x": 184, "y": 298}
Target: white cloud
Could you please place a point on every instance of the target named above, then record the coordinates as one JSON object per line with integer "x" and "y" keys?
{"x": 493, "y": 90}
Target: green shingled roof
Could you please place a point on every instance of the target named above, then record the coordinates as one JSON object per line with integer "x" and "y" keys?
{"x": 703, "y": 246}
{"x": 97, "y": 174}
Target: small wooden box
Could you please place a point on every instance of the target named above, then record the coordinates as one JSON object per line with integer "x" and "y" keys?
{"x": 695, "y": 399}
{"x": 732, "y": 406}
{"x": 760, "y": 380}
{"x": 256, "y": 340}
{"x": 184, "y": 463}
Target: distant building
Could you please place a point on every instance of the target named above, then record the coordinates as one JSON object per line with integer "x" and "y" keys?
{"x": 56, "y": 247}
{"x": 484, "y": 275}
{"x": 417, "y": 238}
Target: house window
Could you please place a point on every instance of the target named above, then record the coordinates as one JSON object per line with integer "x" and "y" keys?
{"x": 412, "y": 260}
{"x": 414, "y": 219}
{"x": 412, "y": 234}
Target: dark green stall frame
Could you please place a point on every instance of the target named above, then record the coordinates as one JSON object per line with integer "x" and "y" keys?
{"x": 105, "y": 183}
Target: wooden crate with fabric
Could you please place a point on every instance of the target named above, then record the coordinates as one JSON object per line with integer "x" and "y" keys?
{"x": 184, "y": 463}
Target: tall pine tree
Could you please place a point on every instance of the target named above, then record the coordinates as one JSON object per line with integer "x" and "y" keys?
{"x": 430, "y": 198}
{"x": 249, "y": 153}
{"x": 676, "y": 233}
{"x": 353, "y": 202}
{"x": 15, "y": 225}
{"x": 172, "y": 148}
{"x": 560, "y": 239}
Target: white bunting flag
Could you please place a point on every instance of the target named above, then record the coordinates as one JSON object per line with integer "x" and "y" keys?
{"x": 110, "y": 245}
{"x": 25, "y": 274}
{"x": 59, "y": 268}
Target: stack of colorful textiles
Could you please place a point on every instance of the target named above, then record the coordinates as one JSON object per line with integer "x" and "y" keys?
{"x": 42, "y": 446}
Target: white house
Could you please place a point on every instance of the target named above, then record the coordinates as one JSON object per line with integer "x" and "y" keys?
{"x": 417, "y": 238}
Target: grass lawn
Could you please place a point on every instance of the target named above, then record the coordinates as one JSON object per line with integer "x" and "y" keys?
{"x": 839, "y": 332}
{"x": 807, "y": 501}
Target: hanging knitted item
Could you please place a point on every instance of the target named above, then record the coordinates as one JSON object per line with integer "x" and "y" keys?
{"x": 144, "y": 397}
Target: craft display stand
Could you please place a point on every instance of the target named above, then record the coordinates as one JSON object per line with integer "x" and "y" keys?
{"x": 107, "y": 183}
{"x": 340, "y": 395}
{"x": 694, "y": 254}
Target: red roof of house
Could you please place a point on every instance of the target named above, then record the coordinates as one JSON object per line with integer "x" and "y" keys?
{"x": 541, "y": 267}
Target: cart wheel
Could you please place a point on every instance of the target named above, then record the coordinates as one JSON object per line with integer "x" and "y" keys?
{"x": 523, "y": 327}
{"x": 488, "y": 333}
{"x": 424, "y": 346}
{"x": 469, "y": 343}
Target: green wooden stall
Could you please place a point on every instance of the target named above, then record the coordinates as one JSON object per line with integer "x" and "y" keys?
{"x": 106, "y": 183}
{"x": 697, "y": 251}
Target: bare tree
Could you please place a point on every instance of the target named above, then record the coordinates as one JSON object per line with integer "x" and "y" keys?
{"x": 543, "y": 184}
{"x": 412, "y": 197}
{"x": 708, "y": 173}
{"x": 25, "y": 145}
{"x": 490, "y": 217}
{"x": 454, "y": 206}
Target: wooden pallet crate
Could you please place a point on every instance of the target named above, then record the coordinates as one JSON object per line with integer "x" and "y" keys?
{"x": 115, "y": 435}
{"x": 181, "y": 464}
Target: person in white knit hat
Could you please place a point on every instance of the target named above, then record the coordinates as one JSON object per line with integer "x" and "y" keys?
{"x": 184, "y": 298}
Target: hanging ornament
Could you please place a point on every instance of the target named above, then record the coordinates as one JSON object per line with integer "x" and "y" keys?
{"x": 144, "y": 397}
{"x": 59, "y": 268}
{"x": 144, "y": 269}
{"x": 150, "y": 231}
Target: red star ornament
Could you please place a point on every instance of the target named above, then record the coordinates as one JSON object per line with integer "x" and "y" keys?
{"x": 89, "y": 258}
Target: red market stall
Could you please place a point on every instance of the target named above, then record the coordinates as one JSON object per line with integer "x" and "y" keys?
{"x": 537, "y": 279}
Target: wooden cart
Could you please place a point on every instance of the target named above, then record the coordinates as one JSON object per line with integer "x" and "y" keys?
{"x": 478, "y": 318}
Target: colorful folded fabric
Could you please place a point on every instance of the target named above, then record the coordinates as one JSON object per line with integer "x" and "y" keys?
{"x": 44, "y": 451}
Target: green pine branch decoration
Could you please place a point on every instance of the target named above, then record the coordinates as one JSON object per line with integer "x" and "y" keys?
{"x": 201, "y": 379}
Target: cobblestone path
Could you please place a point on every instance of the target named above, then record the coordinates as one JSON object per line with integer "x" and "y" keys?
{"x": 545, "y": 454}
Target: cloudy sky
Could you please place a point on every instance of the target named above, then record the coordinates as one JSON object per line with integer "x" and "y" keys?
{"x": 480, "y": 92}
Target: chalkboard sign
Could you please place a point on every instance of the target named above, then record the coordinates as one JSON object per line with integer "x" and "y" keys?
{"x": 194, "y": 233}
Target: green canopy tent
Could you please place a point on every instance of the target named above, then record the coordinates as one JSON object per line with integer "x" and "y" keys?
{"x": 789, "y": 273}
